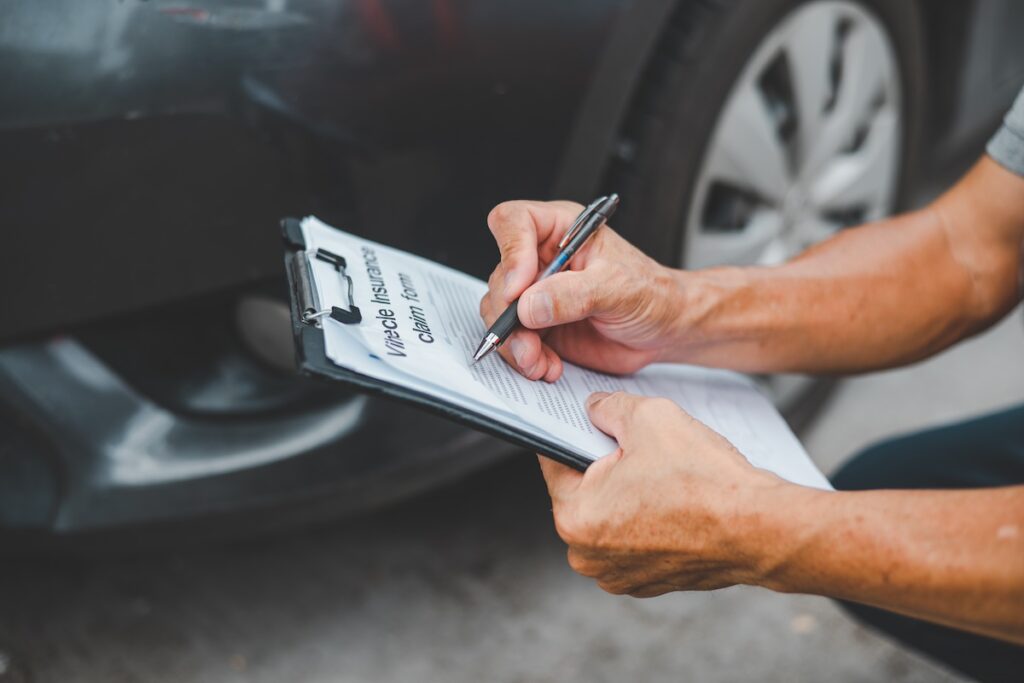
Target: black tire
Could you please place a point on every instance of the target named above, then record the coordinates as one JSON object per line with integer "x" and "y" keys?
{"x": 702, "y": 53}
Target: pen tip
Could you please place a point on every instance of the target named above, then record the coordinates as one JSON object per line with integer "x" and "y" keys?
{"x": 489, "y": 343}
{"x": 484, "y": 349}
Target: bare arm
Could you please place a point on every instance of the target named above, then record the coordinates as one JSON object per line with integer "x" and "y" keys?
{"x": 953, "y": 557}
{"x": 883, "y": 294}
{"x": 678, "y": 508}
{"x": 880, "y": 295}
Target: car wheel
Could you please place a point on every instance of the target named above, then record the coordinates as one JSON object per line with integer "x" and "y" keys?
{"x": 764, "y": 126}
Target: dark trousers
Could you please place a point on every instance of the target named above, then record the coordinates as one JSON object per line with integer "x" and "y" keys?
{"x": 988, "y": 451}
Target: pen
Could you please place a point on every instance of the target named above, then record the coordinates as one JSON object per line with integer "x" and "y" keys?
{"x": 585, "y": 225}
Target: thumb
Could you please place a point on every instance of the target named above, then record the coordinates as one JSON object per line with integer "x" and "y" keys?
{"x": 613, "y": 413}
{"x": 563, "y": 298}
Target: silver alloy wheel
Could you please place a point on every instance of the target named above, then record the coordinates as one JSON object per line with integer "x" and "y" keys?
{"x": 807, "y": 143}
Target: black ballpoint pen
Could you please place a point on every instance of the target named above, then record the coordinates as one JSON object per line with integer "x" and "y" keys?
{"x": 586, "y": 224}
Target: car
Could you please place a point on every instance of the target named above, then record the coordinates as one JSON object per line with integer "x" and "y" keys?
{"x": 150, "y": 148}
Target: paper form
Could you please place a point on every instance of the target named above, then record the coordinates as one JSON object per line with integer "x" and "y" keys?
{"x": 420, "y": 325}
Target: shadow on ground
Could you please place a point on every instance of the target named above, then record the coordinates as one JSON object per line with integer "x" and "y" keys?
{"x": 145, "y": 616}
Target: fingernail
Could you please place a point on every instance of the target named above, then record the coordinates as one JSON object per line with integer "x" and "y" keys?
{"x": 510, "y": 278}
{"x": 595, "y": 397}
{"x": 518, "y": 348}
{"x": 542, "y": 309}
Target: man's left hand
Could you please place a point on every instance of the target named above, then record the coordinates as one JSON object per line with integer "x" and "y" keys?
{"x": 676, "y": 507}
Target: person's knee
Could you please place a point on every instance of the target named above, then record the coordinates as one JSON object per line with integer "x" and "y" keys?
{"x": 984, "y": 451}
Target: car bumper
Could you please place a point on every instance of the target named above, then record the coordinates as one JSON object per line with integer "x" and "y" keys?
{"x": 94, "y": 453}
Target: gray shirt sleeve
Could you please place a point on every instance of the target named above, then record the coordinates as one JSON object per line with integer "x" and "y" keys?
{"x": 1007, "y": 145}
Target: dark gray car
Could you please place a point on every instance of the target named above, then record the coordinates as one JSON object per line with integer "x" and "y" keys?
{"x": 149, "y": 148}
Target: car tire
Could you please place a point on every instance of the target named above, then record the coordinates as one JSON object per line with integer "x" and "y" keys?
{"x": 700, "y": 63}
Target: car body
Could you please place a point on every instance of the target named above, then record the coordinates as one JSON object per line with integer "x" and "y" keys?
{"x": 149, "y": 149}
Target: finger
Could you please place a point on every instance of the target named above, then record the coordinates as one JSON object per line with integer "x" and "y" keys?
{"x": 487, "y": 309}
{"x": 565, "y": 298}
{"x": 519, "y": 227}
{"x": 613, "y": 413}
{"x": 615, "y": 587}
{"x": 555, "y": 367}
{"x": 525, "y": 352}
{"x": 652, "y": 590}
{"x": 496, "y": 281}
{"x": 584, "y": 563}
{"x": 562, "y": 480}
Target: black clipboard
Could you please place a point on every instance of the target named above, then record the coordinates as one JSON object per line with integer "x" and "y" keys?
{"x": 311, "y": 357}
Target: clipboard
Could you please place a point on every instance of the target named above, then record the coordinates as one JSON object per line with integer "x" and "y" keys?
{"x": 308, "y": 317}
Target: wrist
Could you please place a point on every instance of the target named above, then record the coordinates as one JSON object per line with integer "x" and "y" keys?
{"x": 697, "y": 301}
{"x": 780, "y": 526}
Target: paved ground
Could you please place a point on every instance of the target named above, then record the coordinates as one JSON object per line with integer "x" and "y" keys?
{"x": 468, "y": 584}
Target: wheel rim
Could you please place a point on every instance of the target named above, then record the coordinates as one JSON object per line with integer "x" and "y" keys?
{"x": 807, "y": 143}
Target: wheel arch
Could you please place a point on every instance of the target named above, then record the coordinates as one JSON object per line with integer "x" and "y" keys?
{"x": 630, "y": 56}
{"x": 610, "y": 96}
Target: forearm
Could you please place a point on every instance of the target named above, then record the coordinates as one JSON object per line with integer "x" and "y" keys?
{"x": 881, "y": 295}
{"x": 953, "y": 557}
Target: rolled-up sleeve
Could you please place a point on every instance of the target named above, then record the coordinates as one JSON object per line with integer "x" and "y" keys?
{"x": 1007, "y": 145}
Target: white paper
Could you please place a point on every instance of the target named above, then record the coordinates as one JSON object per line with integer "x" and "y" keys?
{"x": 420, "y": 325}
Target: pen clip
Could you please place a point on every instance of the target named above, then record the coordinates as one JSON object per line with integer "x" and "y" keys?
{"x": 580, "y": 220}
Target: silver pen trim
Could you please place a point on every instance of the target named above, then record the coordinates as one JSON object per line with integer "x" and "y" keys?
{"x": 489, "y": 343}
{"x": 578, "y": 223}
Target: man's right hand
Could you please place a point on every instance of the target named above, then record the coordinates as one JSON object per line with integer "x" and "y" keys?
{"x": 612, "y": 310}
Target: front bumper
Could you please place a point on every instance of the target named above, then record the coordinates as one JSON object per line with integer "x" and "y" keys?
{"x": 84, "y": 451}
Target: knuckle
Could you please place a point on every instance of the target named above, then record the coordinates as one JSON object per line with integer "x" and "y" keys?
{"x": 663, "y": 405}
{"x": 504, "y": 214}
{"x": 492, "y": 279}
{"x": 578, "y": 562}
{"x": 656, "y": 409}
{"x": 570, "y": 527}
{"x": 565, "y": 527}
{"x": 618, "y": 400}
{"x": 613, "y": 587}
{"x": 509, "y": 243}
{"x": 648, "y": 592}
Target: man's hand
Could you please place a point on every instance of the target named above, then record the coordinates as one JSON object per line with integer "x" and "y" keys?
{"x": 904, "y": 288}
{"x": 612, "y": 308}
{"x": 676, "y": 507}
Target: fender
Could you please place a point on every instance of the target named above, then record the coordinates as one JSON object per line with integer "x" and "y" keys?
{"x": 609, "y": 96}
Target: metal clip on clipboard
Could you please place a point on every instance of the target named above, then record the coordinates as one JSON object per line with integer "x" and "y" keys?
{"x": 298, "y": 263}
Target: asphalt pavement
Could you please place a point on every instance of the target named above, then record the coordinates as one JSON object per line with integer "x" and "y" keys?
{"x": 468, "y": 583}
